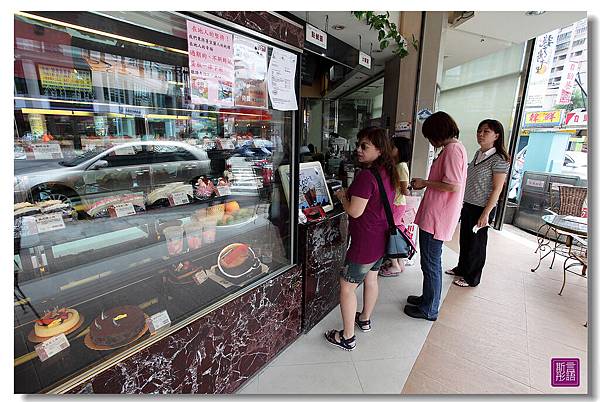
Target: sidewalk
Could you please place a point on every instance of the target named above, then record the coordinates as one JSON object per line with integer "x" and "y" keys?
{"x": 495, "y": 338}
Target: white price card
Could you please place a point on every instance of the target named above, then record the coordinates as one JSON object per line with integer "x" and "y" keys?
{"x": 224, "y": 190}
{"x": 49, "y": 222}
{"x": 178, "y": 198}
{"x": 200, "y": 277}
{"x": 158, "y": 321}
{"x": 124, "y": 209}
{"x": 52, "y": 346}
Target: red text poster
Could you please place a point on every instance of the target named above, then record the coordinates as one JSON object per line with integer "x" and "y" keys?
{"x": 210, "y": 54}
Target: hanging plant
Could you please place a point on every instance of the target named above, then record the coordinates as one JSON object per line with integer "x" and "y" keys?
{"x": 387, "y": 32}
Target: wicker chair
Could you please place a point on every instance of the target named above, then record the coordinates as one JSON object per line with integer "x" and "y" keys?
{"x": 568, "y": 200}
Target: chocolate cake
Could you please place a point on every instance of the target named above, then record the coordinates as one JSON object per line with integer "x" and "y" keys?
{"x": 117, "y": 326}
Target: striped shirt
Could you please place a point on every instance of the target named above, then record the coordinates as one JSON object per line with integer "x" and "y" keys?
{"x": 480, "y": 178}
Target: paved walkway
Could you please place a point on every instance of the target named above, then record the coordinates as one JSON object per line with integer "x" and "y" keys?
{"x": 496, "y": 338}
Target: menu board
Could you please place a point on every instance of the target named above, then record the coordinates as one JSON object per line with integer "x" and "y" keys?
{"x": 210, "y": 55}
{"x": 250, "y": 64}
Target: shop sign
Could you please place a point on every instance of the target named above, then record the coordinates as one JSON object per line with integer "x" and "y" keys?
{"x": 52, "y": 346}
{"x": 250, "y": 65}
{"x": 210, "y": 55}
{"x": 567, "y": 82}
{"x": 535, "y": 183}
{"x": 550, "y": 118}
{"x": 132, "y": 111}
{"x": 576, "y": 118}
{"x": 541, "y": 64}
{"x": 69, "y": 79}
{"x": 423, "y": 114}
{"x": 316, "y": 36}
{"x": 364, "y": 60}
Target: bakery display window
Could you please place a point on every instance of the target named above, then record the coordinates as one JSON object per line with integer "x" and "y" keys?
{"x": 135, "y": 206}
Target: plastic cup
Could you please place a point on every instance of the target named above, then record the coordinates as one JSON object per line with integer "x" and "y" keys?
{"x": 174, "y": 237}
{"x": 193, "y": 234}
{"x": 210, "y": 229}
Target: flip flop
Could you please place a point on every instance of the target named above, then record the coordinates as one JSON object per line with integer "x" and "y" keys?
{"x": 386, "y": 273}
{"x": 461, "y": 282}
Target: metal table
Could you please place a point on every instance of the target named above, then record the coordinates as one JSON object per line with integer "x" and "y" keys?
{"x": 560, "y": 225}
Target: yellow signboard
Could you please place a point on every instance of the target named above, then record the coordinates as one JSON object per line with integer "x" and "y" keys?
{"x": 549, "y": 118}
{"x": 54, "y": 77}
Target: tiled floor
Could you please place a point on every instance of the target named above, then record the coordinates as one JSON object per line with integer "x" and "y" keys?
{"x": 500, "y": 336}
{"x": 496, "y": 338}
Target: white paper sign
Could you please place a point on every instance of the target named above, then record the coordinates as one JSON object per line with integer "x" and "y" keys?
{"x": 178, "y": 198}
{"x": 280, "y": 79}
{"x": 47, "y": 151}
{"x": 52, "y": 346}
{"x": 200, "y": 277}
{"x": 535, "y": 183}
{"x": 124, "y": 151}
{"x": 158, "y": 321}
{"x": 124, "y": 209}
{"x": 49, "y": 222}
{"x": 364, "y": 60}
{"x": 316, "y": 36}
{"x": 224, "y": 190}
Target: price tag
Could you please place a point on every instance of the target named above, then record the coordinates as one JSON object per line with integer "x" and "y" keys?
{"x": 124, "y": 209}
{"x": 224, "y": 190}
{"x": 158, "y": 321}
{"x": 49, "y": 222}
{"x": 178, "y": 198}
{"x": 52, "y": 346}
{"x": 200, "y": 277}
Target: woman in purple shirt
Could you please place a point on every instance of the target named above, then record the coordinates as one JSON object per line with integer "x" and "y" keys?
{"x": 368, "y": 233}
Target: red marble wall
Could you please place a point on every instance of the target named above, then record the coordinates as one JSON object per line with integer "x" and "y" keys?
{"x": 217, "y": 353}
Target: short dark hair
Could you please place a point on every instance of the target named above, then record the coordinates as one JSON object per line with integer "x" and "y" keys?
{"x": 439, "y": 127}
{"x": 403, "y": 145}
{"x": 311, "y": 147}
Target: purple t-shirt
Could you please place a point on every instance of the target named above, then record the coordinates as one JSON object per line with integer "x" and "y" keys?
{"x": 368, "y": 232}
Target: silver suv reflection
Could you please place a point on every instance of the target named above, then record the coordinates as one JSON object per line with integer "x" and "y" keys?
{"x": 133, "y": 166}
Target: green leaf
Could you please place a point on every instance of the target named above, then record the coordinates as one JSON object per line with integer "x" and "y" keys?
{"x": 381, "y": 35}
{"x": 383, "y": 44}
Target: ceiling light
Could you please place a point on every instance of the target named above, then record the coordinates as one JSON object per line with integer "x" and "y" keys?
{"x": 338, "y": 27}
{"x": 531, "y": 13}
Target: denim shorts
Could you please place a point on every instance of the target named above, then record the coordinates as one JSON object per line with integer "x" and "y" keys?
{"x": 356, "y": 273}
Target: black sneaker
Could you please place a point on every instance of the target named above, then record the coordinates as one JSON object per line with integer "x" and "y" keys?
{"x": 343, "y": 343}
{"x": 365, "y": 326}
{"x": 415, "y": 312}
{"x": 416, "y": 300}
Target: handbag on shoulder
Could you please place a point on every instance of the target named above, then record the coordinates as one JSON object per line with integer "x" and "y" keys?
{"x": 399, "y": 245}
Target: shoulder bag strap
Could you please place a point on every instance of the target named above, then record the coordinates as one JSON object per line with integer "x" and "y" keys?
{"x": 384, "y": 199}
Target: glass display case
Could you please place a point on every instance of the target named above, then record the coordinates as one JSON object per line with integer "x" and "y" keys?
{"x": 133, "y": 201}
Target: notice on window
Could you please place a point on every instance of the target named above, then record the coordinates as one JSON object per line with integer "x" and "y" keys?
{"x": 47, "y": 151}
{"x": 280, "y": 80}
{"x": 49, "y": 222}
{"x": 210, "y": 55}
{"x": 250, "y": 61}
{"x": 158, "y": 321}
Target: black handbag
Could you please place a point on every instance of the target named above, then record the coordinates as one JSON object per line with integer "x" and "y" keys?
{"x": 399, "y": 245}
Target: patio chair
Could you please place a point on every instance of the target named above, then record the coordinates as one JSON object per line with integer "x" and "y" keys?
{"x": 577, "y": 254}
{"x": 568, "y": 201}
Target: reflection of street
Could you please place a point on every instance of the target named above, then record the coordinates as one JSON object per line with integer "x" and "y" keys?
{"x": 31, "y": 166}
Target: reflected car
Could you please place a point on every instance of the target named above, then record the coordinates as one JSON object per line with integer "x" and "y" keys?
{"x": 131, "y": 166}
{"x": 574, "y": 164}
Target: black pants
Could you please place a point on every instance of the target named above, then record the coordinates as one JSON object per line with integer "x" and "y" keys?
{"x": 472, "y": 245}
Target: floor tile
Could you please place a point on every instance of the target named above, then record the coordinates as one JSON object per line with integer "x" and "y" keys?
{"x": 251, "y": 387}
{"x": 541, "y": 378}
{"x": 331, "y": 378}
{"x": 419, "y": 383}
{"x": 385, "y": 376}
